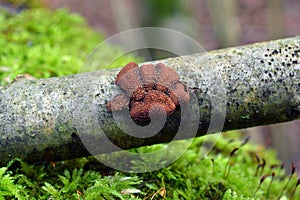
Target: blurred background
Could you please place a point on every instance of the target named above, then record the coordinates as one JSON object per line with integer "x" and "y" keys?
{"x": 214, "y": 24}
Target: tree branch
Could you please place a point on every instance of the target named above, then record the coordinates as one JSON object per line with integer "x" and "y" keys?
{"x": 44, "y": 119}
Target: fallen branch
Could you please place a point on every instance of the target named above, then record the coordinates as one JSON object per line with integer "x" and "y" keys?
{"x": 44, "y": 119}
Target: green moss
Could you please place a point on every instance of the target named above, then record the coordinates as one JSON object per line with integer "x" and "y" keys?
{"x": 190, "y": 177}
{"x": 46, "y": 43}
{"x": 27, "y": 3}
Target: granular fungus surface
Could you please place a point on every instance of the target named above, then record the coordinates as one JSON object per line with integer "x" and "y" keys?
{"x": 150, "y": 88}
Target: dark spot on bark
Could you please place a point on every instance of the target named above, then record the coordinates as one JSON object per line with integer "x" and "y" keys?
{"x": 270, "y": 75}
{"x": 74, "y": 135}
{"x": 275, "y": 52}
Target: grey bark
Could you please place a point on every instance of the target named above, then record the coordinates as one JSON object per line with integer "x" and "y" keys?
{"x": 253, "y": 85}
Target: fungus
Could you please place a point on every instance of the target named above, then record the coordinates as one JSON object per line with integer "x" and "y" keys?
{"x": 161, "y": 99}
{"x": 165, "y": 75}
{"x": 124, "y": 70}
{"x": 128, "y": 78}
{"x": 147, "y": 73}
{"x": 118, "y": 103}
{"x": 154, "y": 89}
{"x": 180, "y": 92}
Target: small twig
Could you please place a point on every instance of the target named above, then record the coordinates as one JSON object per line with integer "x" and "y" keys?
{"x": 268, "y": 191}
{"x": 213, "y": 167}
{"x": 262, "y": 179}
{"x": 245, "y": 141}
{"x": 293, "y": 166}
{"x": 294, "y": 190}
{"x": 226, "y": 173}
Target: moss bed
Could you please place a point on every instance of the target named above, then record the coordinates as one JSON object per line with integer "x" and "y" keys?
{"x": 227, "y": 173}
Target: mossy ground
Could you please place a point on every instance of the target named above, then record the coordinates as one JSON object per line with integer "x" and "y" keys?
{"x": 217, "y": 176}
{"x": 43, "y": 43}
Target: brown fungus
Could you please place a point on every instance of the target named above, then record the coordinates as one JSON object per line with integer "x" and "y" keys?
{"x": 138, "y": 94}
{"x": 162, "y": 99}
{"x": 147, "y": 73}
{"x": 128, "y": 78}
{"x": 180, "y": 92}
{"x": 118, "y": 103}
{"x": 154, "y": 89}
{"x": 124, "y": 70}
{"x": 155, "y": 102}
{"x": 140, "y": 111}
{"x": 165, "y": 75}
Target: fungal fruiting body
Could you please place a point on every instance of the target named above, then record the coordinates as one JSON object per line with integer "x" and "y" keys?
{"x": 149, "y": 88}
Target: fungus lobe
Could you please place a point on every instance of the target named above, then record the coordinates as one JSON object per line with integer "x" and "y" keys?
{"x": 154, "y": 89}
